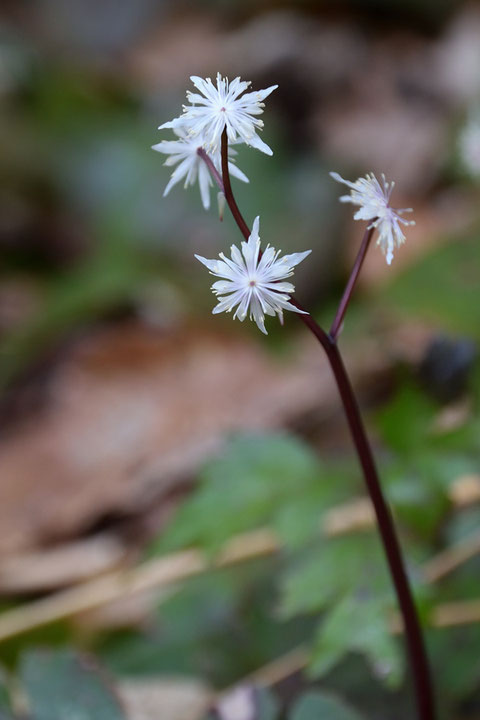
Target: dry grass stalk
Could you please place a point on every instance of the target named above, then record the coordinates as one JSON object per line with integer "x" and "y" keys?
{"x": 163, "y": 572}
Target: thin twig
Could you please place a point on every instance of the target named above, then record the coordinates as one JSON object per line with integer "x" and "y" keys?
{"x": 443, "y": 616}
{"x": 451, "y": 558}
{"x": 158, "y": 573}
{"x": 275, "y": 671}
{"x": 166, "y": 572}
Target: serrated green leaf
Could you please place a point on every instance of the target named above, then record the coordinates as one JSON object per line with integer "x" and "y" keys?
{"x": 60, "y": 684}
{"x": 299, "y": 520}
{"x": 331, "y": 569}
{"x": 308, "y": 587}
{"x": 245, "y": 487}
{"x": 322, "y": 706}
{"x": 358, "y": 623}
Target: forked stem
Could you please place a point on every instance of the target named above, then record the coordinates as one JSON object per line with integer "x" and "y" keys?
{"x": 415, "y": 644}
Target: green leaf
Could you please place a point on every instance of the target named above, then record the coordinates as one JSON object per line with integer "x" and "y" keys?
{"x": 321, "y": 706}
{"x": 346, "y": 577}
{"x": 417, "y": 492}
{"x": 456, "y": 660}
{"x": 196, "y": 629}
{"x": 442, "y": 287}
{"x": 185, "y": 639}
{"x": 331, "y": 569}
{"x": 407, "y": 426}
{"x": 60, "y": 684}
{"x": 5, "y": 706}
{"x": 407, "y": 420}
{"x": 358, "y": 623}
{"x": 248, "y": 485}
{"x": 299, "y": 519}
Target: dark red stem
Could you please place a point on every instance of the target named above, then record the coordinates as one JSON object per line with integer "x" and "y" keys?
{"x": 415, "y": 644}
{"x": 227, "y": 190}
{"x": 208, "y": 162}
{"x": 342, "y": 308}
{"x": 416, "y": 648}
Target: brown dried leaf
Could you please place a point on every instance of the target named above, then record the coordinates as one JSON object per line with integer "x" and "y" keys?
{"x": 130, "y": 414}
{"x": 53, "y": 568}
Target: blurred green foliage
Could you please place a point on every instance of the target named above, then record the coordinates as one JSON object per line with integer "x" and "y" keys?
{"x": 5, "y": 706}
{"x": 319, "y": 706}
{"x": 269, "y": 479}
{"x": 342, "y": 582}
{"x": 261, "y": 481}
{"x": 197, "y": 625}
{"x": 333, "y": 593}
{"x": 442, "y": 287}
{"x": 60, "y": 684}
{"x": 82, "y": 149}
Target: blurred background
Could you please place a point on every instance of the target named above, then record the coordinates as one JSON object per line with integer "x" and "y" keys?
{"x": 145, "y": 442}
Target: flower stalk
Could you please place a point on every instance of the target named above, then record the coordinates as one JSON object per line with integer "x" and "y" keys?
{"x": 419, "y": 666}
{"x": 227, "y": 190}
{"x": 211, "y": 166}
{"x": 343, "y": 305}
{"x": 257, "y": 283}
{"x": 415, "y": 644}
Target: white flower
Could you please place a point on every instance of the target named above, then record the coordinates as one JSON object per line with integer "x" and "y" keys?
{"x": 469, "y": 146}
{"x": 254, "y": 282}
{"x": 221, "y": 107}
{"x": 374, "y": 202}
{"x": 184, "y": 151}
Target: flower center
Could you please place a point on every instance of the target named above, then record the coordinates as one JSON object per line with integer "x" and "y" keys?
{"x": 252, "y": 283}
